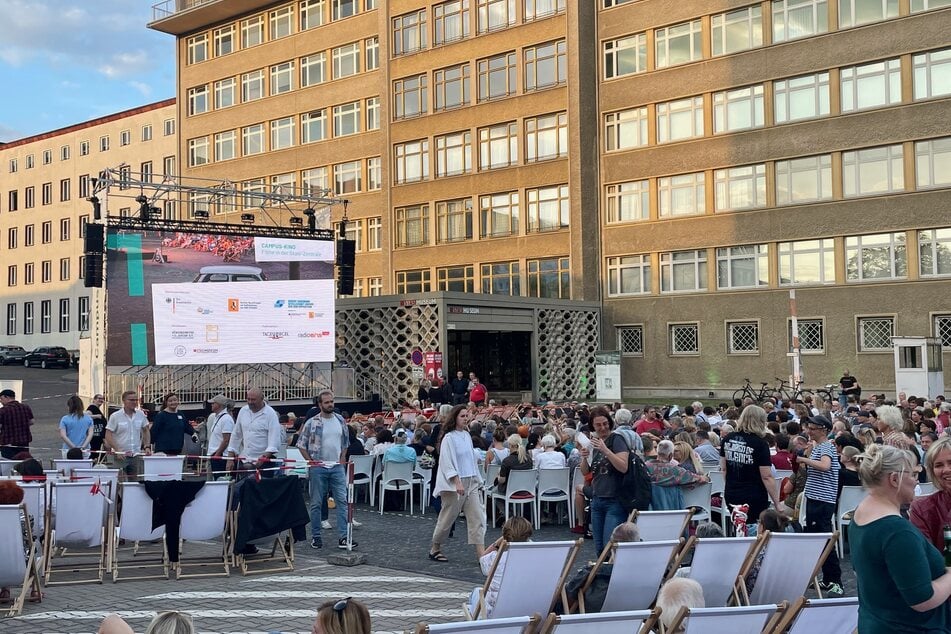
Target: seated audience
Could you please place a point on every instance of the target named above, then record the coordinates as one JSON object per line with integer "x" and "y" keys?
{"x": 516, "y": 529}
{"x": 667, "y": 478}
{"x": 675, "y": 594}
{"x": 594, "y": 596}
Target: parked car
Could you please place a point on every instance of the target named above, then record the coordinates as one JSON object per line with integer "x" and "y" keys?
{"x": 11, "y": 354}
{"x": 74, "y": 357}
{"x": 47, "y": 357}
{"x": 230, "y": 273}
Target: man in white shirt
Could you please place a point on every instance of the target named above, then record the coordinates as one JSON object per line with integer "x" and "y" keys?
{"x": 127, "y": 435}
{"x": 220, "y": 425}
{"x": 256, "y": 437}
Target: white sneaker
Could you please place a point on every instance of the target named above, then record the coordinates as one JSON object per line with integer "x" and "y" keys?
{"x": 326, "y": 524}
{"x": 356, "y": 523}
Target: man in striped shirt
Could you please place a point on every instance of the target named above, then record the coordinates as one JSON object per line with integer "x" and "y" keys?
{"x": 822, "y": 476}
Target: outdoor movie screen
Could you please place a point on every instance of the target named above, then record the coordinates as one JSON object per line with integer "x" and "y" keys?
{"x": 193, "y": 298}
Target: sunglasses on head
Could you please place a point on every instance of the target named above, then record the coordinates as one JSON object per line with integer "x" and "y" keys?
{"x": 339, "y": 608}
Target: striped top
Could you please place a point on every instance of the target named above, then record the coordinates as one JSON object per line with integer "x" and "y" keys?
{"x": 822, "y": 485}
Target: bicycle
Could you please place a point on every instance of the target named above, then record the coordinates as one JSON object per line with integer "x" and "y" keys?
{"x": 747, "y": 391}
{"x": 792, "y": 393}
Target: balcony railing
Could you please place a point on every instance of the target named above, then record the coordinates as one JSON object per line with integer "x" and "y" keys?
{"x": 169, "y": 8}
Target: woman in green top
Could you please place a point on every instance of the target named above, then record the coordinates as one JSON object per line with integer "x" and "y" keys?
{"x": 903, "y": 584}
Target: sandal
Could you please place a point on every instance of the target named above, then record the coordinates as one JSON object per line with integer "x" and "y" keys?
{"x": 438, "y": 556}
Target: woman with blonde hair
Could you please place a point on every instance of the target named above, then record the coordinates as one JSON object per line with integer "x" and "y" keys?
{"x": 746, "y": 465}
{"x": 930, "y": 513}
{"x": 346, "y": 616}
{"x": 686, "y": 457}
{"x": 518, "y": 459}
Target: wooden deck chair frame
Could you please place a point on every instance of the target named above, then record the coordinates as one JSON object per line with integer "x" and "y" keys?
{"x": 710, "y": 578}
{"x": 135, "y": 524}
{"x": 744, "y": 598}
{"x": 775, "y": 611}
{"x": 282, "y": 551}
{"x": 511, "y": 625}
{"x": 207, "y": 563}
{"x": 20, "y": 569}
{"x": 35, "y": 496}
{"x": 559, "y": 588}
{"x": 635, "y": 515}
{"x": 596, "y": 622}
{"x": 638, "y": 566}
{"x": 55, "y": 547}
{"x": 790, "y": 618}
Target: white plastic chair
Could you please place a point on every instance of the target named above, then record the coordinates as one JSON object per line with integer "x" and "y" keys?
{"x": 66, "y": 467}
{"x": 207, "y": 518}
{"x": 397, "y": 476}
{"x": 82, "y": 522}
{"x": 603, "y": 623}
{"x": 789, "y": 566}
{"x": 554, "y": 486}
{"x": 925, "y": 488}
{"x": 520, "y": 490}
{"x": 162, "y": 467}
{"x": 848, "y": 501}
{"x": 698, "y": 497}
{"x": 829, "y": 616}
{"x": 638, "y": 571}
{"x": 780, "y": 475}
{"x": 135, "y": 525}
{"x": 423, "y": 478}
{"x": 661, "y": 525}
{"x": 363, "y": 474}
{"x": 17, "y": 568}
{"x": 512, "y": 625}
{"x": 737, "y": 620}
{"x": 491, "y": 473}
{"x": 715, "y": 565}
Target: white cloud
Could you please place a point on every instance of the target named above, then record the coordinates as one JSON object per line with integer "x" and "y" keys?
{"x": 142, "y": 87}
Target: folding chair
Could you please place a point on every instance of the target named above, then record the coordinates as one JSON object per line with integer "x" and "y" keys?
{"x": 83, "y": 520}
{"x": 788, "y": 568}
{"x": 698, "y": 497}
{"x": 66, "y": 467}
{"x": 639, "y": 621}
{"x": 752, "y": 619}
{"x": 162, "y": 467}
{"x": 716, "y": 563}
{"x": 135, "y": 525}
{"x": 17, "y": 560}
{"x": 6, "y": 467}
{"x": 422, "y": 478}
{"x": 661, "y": 525}
{"x": 511, "y": 625}
{"x": 533, "y": 576}
{"x": 397, "y": 476}
{"x": 207, "y": 518}
{"x": 363, "y": 474}
{"x": 99, "y": 475}
{"x": 639, "y": 569}
{"x": 848, "y": 501}
{"x": 34, "y": 496}
{"x": 520, "y": 490}
{"x": 554, "y": 486}
{"x": 829, "y": 616}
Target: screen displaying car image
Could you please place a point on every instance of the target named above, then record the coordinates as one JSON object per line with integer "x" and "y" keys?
{"x": 140, "y": 265}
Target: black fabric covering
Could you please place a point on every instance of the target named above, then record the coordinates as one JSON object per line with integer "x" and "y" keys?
{"x": 269, "y": 507}
{"x": 169, "y": 499}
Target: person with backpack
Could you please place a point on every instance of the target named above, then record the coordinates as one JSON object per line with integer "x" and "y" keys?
{"x": 610, "y": 458}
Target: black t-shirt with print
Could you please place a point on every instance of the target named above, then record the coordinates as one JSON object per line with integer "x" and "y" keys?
{"x": 745, "y": 453}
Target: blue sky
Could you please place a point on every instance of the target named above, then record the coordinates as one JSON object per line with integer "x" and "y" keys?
{"x": 64, "y": 62}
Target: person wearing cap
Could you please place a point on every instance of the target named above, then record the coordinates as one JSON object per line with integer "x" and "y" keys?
{"x": 15, "y": 421}
{"x": 221, "y": 425}
{"x": 822, "y": 479}
{"x": 399, "y": 451}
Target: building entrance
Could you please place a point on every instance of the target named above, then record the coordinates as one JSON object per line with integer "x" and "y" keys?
{"x": 501, "y": 360}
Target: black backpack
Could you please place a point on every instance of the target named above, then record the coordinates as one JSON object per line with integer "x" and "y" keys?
{"x": 634, "y": 486}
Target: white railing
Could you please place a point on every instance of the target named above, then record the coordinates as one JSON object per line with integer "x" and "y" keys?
{"x": 168, "y": 8}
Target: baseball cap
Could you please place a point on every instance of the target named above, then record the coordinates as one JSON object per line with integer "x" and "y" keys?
{"x": 400, "y": 432}
{"x": 819, "y": 421}
{"x": 222, "y": 400}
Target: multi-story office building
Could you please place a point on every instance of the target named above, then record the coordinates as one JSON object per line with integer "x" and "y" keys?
{"x": 43, "y": 215}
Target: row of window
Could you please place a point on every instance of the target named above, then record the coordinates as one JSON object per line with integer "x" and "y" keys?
{"x": 46, "y": 316}
{"x": 866, "y": 172}
{"x": 742, "y": 29}
{"x": 46, "y": 271}
{"x": 46, "y": 232}
{"x": 546, "y": 277}
{"x": 868, "y": 258}
{"x": 866, "y": 86}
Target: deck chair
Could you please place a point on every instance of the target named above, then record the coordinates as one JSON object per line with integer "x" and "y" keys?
{"x": 79, "y": 531}
{"x": 661, "y": 525}
{"x": 162, "y": 467}
{"x": 17, "y": 562}
{"x": 6, "y": 467}
{"x": 521, "y": 489}
{"x": 511, "y": 625}
{"x": 397, "y": 476}
{"x": 789, "y": 567}
{"x": 207, "y": 518}
{"x": 99, "y": 475}
{"x": 634, "y": 622}
{"x": 295, "y": 463}
{"x": 829, "y": 616}
{"x": 532, "y": 579}
{"x": 639, "y": 569}
{"x": 363, "y": 474}
{"x": 135, "y": 525}
{"x": 848, "y": 501}
{"x": 698, "y": 498}
{"x": 752, "y": 619}
{"x": 66, "y": 467}
{"x": 34, "y": 496}
{"x": 554, "y": 485}
{"x": 715, "y": 565}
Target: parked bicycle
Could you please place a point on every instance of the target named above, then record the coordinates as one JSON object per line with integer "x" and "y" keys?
{"x": 747, "y": 391}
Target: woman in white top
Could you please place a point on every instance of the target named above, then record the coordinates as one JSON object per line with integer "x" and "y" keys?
{"x": 498, "y": 451}
{"x": 549, "y": 457}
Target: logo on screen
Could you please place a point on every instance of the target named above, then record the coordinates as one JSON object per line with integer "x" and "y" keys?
{"x": 180, "y": 351}
{"x": 279, "y": 303}
{"x": 275, "y": 334}
{"x": 233, "y": 305}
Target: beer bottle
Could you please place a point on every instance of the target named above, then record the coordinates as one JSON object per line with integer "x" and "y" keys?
{"x": 947, "y": 545}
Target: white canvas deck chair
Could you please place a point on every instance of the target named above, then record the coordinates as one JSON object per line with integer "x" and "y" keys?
{"x": 162, "y": 467}
{"x": 715, "y": 565}
{"x": 98, "y": 475}
{"x": 135, "y": 525}
{"x": 752, "y": 619}
{"x": 511, "y": 625}
{"x": 661, "y": 525}
{"x": 66, "y": 467}
{"x": 79, "y": 531}
{"x": 829, "y": 616}
{"x": 207, "y": 518}
{"x": 6, "y": 467}
{"x": 34, "y": 496}
{"x": 17, "y": 560}
{"x": 639, "y": 569}
{"x": 789, "y": 567}
{"x": 532, "y": 579}
{"x": 633, "y": 622}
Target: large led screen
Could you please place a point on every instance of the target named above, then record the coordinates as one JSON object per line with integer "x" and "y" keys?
{"x": 194, "y": 298}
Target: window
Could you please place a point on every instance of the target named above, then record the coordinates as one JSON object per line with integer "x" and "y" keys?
{"x": 251, "y": 189}
{"x": 409, "y": 97}
{"x": 252, "y": 31}
{"x": 807, "y": 262}
{"x": 125, "y": 137}
{"x": 737, "y": 31}
{"x": 546, "y": 137}
{"x": 629, "y": 275}
{"x": 374, "y": 286}
{"x": 682, "y": 195}
{"x": 47, "y": 193}
{"x": 548, "y": 208}
{"x": 875, "y": 257}
{"x": 932, "y": 74}
{"x": 372, "y": 46}
{"x": 743, "y": 267}
{"x": 46, "y": 268}
{"x": 412, "y": 226}
{"x": 344, "y": 8}
{"x": 84, "y": 148}
{"x": 501, "y": 278}
{"x": 313, "y": 69}
{"x": 873, "y": 171}
{"x": 740, "y": 109}
{"x": 64, "y": 153}
{"x": 374, "y": 173}
{"x": 871, "y": 85}
{"x": 804, "y": 180}
{"x": 875, "y": 334}
{"x": 460, "y": 279}
{"x": 626, "y": 202}
{"x": 451, "y": 21}
{"x": 197, "y": 48}
{"x": 27, "y": 318}
{"x": 47, "y": 157}
{"x": 934, "y": 252}
{"x": 811, "y": 336}
{"x": 12, "y": 275}
{"x": 282, "y": 22}
{"x": 453, "y": 220}
{"x": 549, "y": 278}
{"x": 625, "y": 129}
{"x": 682, "y": 271}
{"x": 497, "y": 76}
{"x": 312, "y": 13}
{"x": 801, "y": 98}
{"x": 11, "y": 319}
{"x": 373, "y": 113}
{"x": 29, "y": 198}
{"x": 412, "y": 161}
{"x": 793, "y": 19}
{"x": 225, "y": 145}
{"x": 374, "y": 233}
{"x": 926, "y": 5}
{"x": 198, "y": 100}
{"x": 223, "y": 40}
{"x": 454, "y": 154}
{"x": 415, "y": 281}
{"x": 28, "y": 270}
{"x": 224, "y": 93}
{"x": 346, "y": 60}
{"x": 498, "y": 146}
{"x": 536, "y": 9}
{"x": 451, "y": 87}
{"x": 64, "y": 229}
{"x": 409, "y": 32}
{"x": 684, "y": 339}
{"x": 856, "y": 12}
{"x": 64, "y": 190}
{"x": 742, "y": 337}
{"x": 677, "y": 44}
{"x": 313, "y": 126}
{"x": 252, "y": 85}
{"x": 933, "y": 163}
{"x": 739, "y": 188}
{"x": 498, "y": 215}
{"x": 282, "y": 78}
{"x": 12, "y": 200}
{"x": 630, "y": 340}
{"x": 495, "y": 14}
{"x": 347, "y": 119}
{"x": 47, "y": 231}
{"x": 46, "y": 317}
{"x": 84, "y": 186}
{"x": 12, "y": 238}
{"x": 168, "y": 127}
{"x": 625, "y": 56}
{"x": 252, "y": 139}
{"x": 84, "y": 313}
{"x": 83, "y": 223}
{"x": 198, "y": 151}
{"x": 28, "y": 236}
{"x": 315, "y": 181}
{"x": 13, "y": 164}
{"x": 681, "y": 119}
{"x": 103, "y": 143}
{"x": 348, "y": 177}
{"x": 147, "y": 132}
{"x": 63, "y": 269}
{"x": 546, "y": 65}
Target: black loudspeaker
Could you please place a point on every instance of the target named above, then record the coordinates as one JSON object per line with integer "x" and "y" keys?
{"x": 92, "y": 276}
{"x": 344, "y": 280}
{"x": 346, "y": 252}
{"x": 95, "y": 239}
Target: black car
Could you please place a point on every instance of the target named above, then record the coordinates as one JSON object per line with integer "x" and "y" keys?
{"x": 48, "y": 357}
